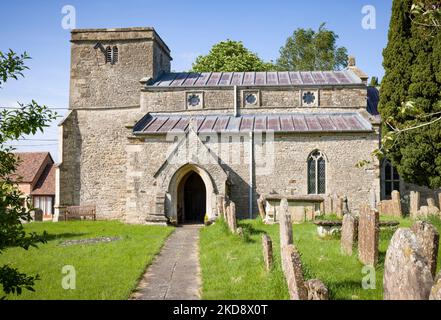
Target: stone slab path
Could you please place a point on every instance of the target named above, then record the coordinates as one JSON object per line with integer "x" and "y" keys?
{"x": 175, "y": 272}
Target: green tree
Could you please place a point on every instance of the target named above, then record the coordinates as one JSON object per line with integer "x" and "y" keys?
{"x": 14, "y": 124}
{"x": 410, "y": 98}
{"x": 229, "y": 56}
{"x": 307, "y": 49}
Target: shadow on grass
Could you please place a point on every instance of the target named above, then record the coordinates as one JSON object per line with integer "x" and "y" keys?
{"x": 248, "y": 231}
{"x": 59, "y": 236}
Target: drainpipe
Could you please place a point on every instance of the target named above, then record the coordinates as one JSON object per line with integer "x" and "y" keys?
{"x": 251, "y": 173}
{"x": 236, "y": 109}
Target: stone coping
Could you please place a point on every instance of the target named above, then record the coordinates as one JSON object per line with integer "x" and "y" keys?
{"x": 299, "y": 198}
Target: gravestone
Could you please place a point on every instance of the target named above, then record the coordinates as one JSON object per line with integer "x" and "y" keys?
{"x": 396, "y": 204}
{"x": 339, "y": 207}
{"x": 232, "y": 223}
{"x": 267, "y": 245}
{"x": 293, "y": 271}
{"x": 432, "y": 209}
{"x": 285, "y": 224}
{"x": 261, "y": 206}
{"x": 415, "y": 198}
{"x": 316, "y": 290}
{"x": 348, "y": 234}
{"x": 428, "y": 238}
{"x": 407, "y": 275}
{"x": 368, "y": 235}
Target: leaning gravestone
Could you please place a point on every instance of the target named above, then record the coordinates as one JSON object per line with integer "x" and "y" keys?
{"x": 368, "y": 235}
{"x": 293, "y": 271}
{"x": 261, "y": 206}
{"x": 285, "y": 224}
{"x": 348, "y": 234}
{"x": 267, "y": 245}
{"x": 428, "y": 238}
{"x": 407, "y": 274}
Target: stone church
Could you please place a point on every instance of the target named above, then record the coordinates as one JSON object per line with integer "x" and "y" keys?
{"x": 147, "y": 145}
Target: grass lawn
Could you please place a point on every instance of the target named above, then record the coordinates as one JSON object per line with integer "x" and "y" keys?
{"x": 103, "y": 270}
{"x": 232, "y": 267}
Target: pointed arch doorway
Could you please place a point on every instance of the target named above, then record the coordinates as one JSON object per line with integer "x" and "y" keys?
{"x": 192, "y": 199}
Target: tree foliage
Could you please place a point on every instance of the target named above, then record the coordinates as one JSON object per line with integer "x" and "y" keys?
{"x": 307, "y": 50}
{"x": 229, "y": 56}
{"x": 410, "y": 98}
{"x": 14, "y": 124}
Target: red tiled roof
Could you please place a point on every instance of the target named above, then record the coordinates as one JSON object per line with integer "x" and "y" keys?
{"x": 29, "y": 165}
{"x": 45, "y": 185}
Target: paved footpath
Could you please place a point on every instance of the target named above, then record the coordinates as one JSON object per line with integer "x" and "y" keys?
{"x": 175, "y": 273}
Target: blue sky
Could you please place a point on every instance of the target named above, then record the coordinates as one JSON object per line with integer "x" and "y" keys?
{"x": 189, "y": 28}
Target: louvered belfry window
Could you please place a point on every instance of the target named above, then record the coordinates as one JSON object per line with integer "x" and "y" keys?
{"x": 316, "y": 173}
{"x": 112, "y": 55}
{"x": 108, "y": 55}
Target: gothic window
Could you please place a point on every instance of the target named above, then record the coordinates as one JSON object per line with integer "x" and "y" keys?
{"x": 316, "y": 173}
{"x": 391, "y": 179}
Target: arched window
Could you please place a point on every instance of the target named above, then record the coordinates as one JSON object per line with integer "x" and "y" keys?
{"x": 316, "y": 173}
{"x": 391, "y": 179}
{"x": 112, "y": 55}
{"x": 115, "y": 55}
{"x": 108, "y": 55}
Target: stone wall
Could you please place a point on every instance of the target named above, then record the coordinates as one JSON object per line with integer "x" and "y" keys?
{"x": 221, "y": 98}
{"x": 95, "y": 83}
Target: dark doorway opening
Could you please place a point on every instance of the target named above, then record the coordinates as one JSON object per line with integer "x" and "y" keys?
{"x": 195, "y": 202}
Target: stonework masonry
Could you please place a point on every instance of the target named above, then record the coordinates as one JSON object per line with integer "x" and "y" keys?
{"x": 104, "y": 163}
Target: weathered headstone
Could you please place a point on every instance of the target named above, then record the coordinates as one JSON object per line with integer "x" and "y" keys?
{"x": 293, "y": 271}
{"x": 328, "y": 205}
{"x": 368, "y": 235}
{"x": 432, "y": 209}
{"x": 415, "y": 198}
{"x": 407, "y": 275}
{"x": 428, "y": 238}
{"x": 267, "y": 245}
{"x": 339, "y": 207}
{"x": 435, "y": 293}
{"x": 348, "y": 234}
{"x": 316, "y": 290}
{"x": 431, "y": 202}
{"x": 285, "y": 224}
{"x": 232, "y": 217}
{"x": 423, "y": 212}
{"x": 396, "y": 204}
{"x": 261, "y": 206}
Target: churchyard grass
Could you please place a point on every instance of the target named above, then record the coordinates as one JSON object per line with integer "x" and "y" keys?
{"x": 233, "y": 267}
{"x": 105, "y": 270}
